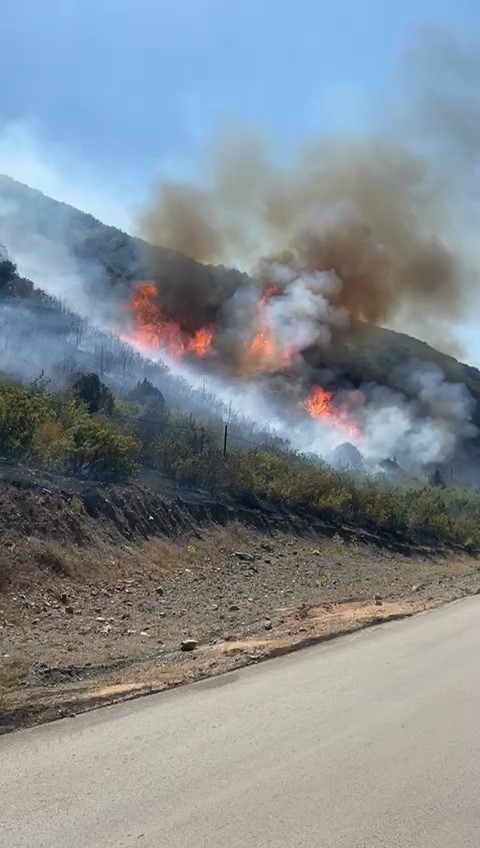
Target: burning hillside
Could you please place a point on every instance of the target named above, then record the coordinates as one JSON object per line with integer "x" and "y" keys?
{"x": 262, "y": 342}
{"x": 260, "y": 328}
{"x": 379, "y": 227}
{"x": 152, "y": 329}
{"x": 280, "y": 323}
{"x": 375, "y": 228}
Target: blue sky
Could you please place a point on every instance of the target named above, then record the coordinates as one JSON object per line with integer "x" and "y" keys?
{"x": 123, "y": 89}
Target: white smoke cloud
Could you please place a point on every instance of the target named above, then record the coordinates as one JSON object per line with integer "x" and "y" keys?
{"x": 291, "y": 308}
{"x": 420, "y": 423}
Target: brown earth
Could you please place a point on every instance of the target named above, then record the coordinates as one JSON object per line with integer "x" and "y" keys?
{"x": 100, "y": 586}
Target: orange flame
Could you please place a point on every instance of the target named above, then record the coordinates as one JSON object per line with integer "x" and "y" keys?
{"x": 264, "y": 352}
{"x": 152, "y": 330}
{"x": 201, "y": 341}
{"x": 319, "y": 404}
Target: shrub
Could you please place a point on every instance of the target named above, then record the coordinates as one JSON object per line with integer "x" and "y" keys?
{"x": 98, "y": 449}
{"x": 64, "y": 431}
{"x": 21, "y": 412}
{"x": 50, "y": 442}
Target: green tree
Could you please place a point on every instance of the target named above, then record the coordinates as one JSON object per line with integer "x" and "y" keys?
{"x": 97, "y": 397}
{"x": 149, "y": 426}
{"x": 146, "y": 394}
{"x": 436, "y": 479}
{"x": 7, "y": 272}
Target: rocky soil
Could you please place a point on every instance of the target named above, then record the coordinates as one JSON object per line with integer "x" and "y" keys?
{"x": 108, "y": 593}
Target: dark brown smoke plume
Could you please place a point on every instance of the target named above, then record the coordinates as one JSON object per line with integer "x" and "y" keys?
{"x": 392, "y": 212}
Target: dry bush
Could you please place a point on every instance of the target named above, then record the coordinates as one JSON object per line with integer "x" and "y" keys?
{"x": 54, "y": 558}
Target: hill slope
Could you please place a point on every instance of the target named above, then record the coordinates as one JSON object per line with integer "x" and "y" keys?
{"x": 33, "y": 224}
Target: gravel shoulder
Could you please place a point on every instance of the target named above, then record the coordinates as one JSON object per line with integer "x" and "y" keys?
{"x": 93, "y": 623}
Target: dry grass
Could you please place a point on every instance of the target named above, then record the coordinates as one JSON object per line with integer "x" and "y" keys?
{"x": 54, "y": 558}
{"x": 13, "y": 673}
{"x": 161, "y": 557}
{"x": 97, "y": 562}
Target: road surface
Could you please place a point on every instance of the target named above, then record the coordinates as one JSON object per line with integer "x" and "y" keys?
{"x": 371, "y": 740}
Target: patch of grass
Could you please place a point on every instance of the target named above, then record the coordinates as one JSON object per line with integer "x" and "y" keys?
{"x": 353, "y": 547}
{"x": 337, "y": 544}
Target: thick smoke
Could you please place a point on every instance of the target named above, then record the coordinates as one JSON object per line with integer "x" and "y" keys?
{"x": 391, "y": 213}
{"x": 377, "y": 227}
{"x": 420, "y": 419}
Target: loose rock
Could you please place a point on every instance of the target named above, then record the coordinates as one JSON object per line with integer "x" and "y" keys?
{"x": 244, "y": 556}
{"x": 188, "y": 644}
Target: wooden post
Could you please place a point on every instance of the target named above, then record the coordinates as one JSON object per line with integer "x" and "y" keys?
{"x": 225, "y": 440}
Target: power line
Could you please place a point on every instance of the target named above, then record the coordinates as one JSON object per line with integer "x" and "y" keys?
{"x": 194, "y": 428}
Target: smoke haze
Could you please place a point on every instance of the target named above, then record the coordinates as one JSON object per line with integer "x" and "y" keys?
{"x": 392, "y": 212}
{"x": 380, "y": 227}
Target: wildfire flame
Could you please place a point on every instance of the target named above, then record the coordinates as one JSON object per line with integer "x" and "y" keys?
{"x": 319, "y": 404}
{"x": 264, "y": 352}
{"x": 201, "y": 341}
{"x": 151, "y": 329}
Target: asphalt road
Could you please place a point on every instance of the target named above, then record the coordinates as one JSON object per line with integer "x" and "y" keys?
{"x": 372, "y": 740}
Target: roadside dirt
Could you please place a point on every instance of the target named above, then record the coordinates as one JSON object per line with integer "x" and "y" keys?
{"x": 95, "y": 603}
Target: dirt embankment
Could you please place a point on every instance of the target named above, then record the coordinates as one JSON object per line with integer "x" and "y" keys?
{"x": 99, "y": 587}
